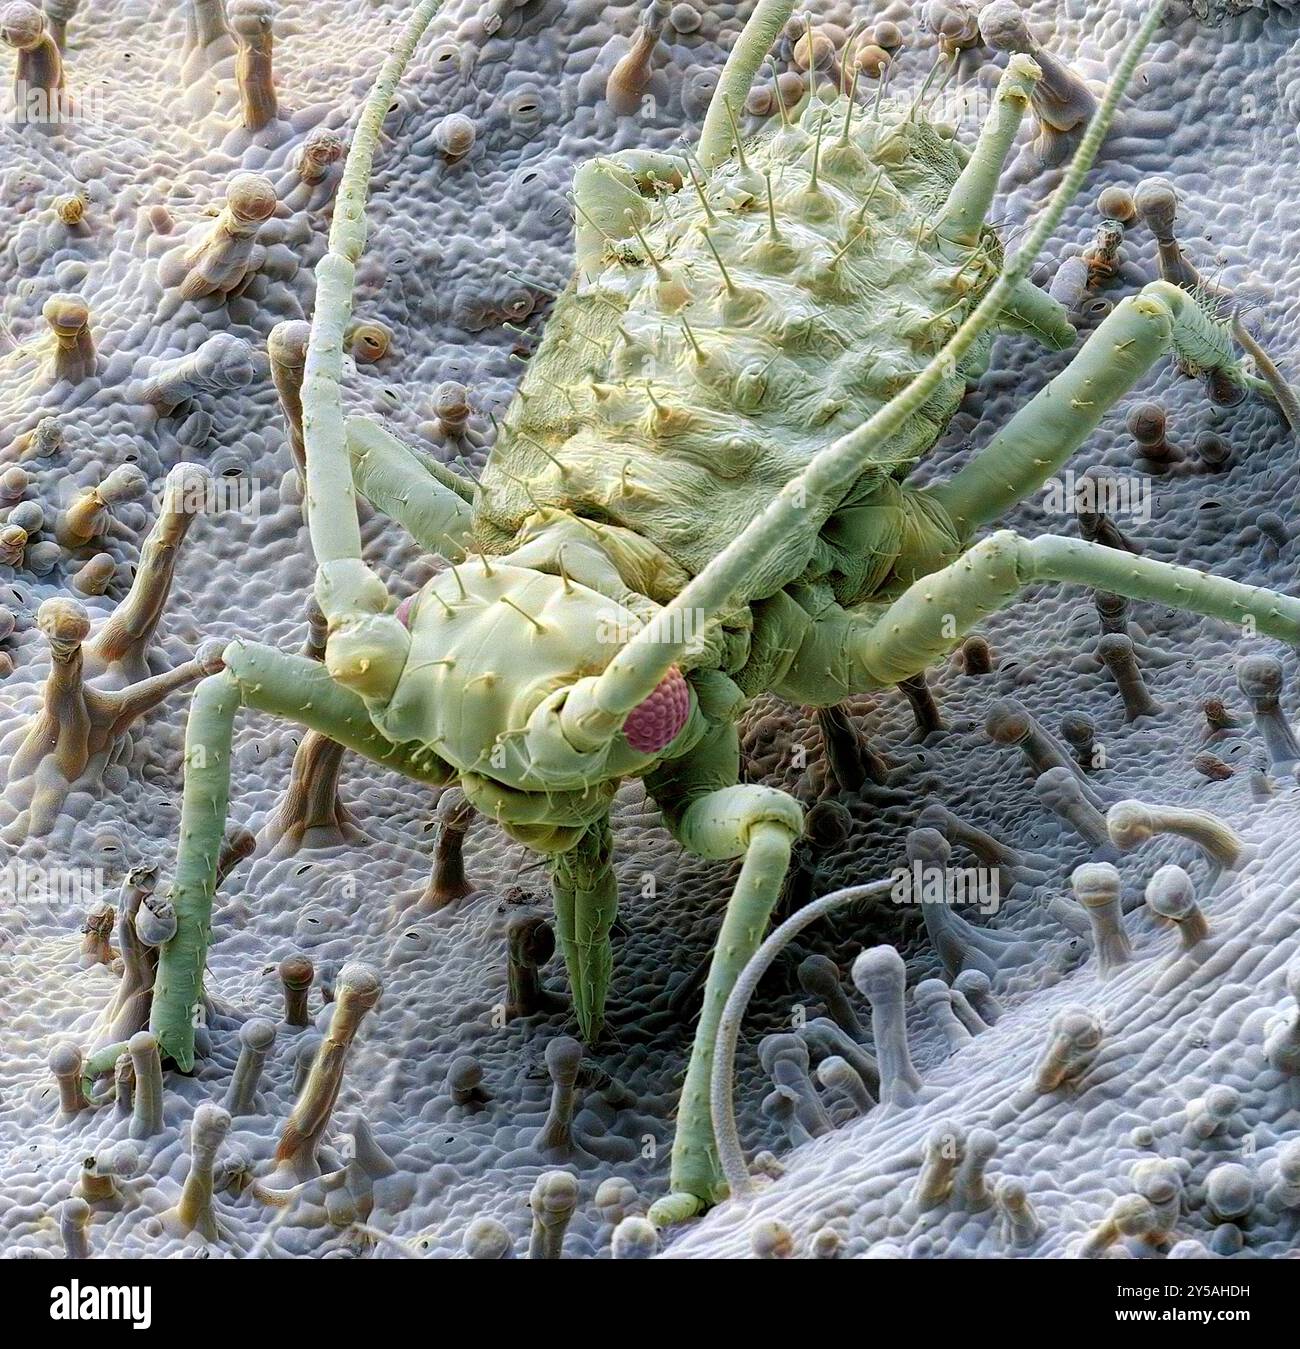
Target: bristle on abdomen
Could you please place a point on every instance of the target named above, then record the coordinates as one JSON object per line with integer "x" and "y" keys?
{"x": 759, "y": 312}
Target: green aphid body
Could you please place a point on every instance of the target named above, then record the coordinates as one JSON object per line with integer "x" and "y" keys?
{"x": 699, "y": 495}
{"x": 734, "y": 335}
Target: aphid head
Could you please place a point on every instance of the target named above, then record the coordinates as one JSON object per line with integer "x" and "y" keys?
{"x": 495, "y": 651}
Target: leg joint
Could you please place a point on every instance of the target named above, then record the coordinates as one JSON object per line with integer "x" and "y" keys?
{"x": 730, "y": 821}
{"x": 1003, "y": 561}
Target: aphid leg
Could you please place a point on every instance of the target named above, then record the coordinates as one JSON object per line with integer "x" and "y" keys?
{"x": 747, "y": 54}
{"x": 761, "y": 825}
{"x": 961, "y": 218}
{"x": 434, "y": 512}
{"x": 271, "y": 681}
{"x": 1030, "y": 310}
{"x": 1039, "y": 439}
{"x": 931, "y": 616}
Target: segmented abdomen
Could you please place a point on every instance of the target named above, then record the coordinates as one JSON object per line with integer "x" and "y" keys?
{"x": 744, "y": 324}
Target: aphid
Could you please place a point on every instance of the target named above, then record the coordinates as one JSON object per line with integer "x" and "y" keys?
{"x": 700, "y": 499}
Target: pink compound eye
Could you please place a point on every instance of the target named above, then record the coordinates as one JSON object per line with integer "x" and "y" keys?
{"x": 656, "y": 722}
{"x": 403, "y": 614}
